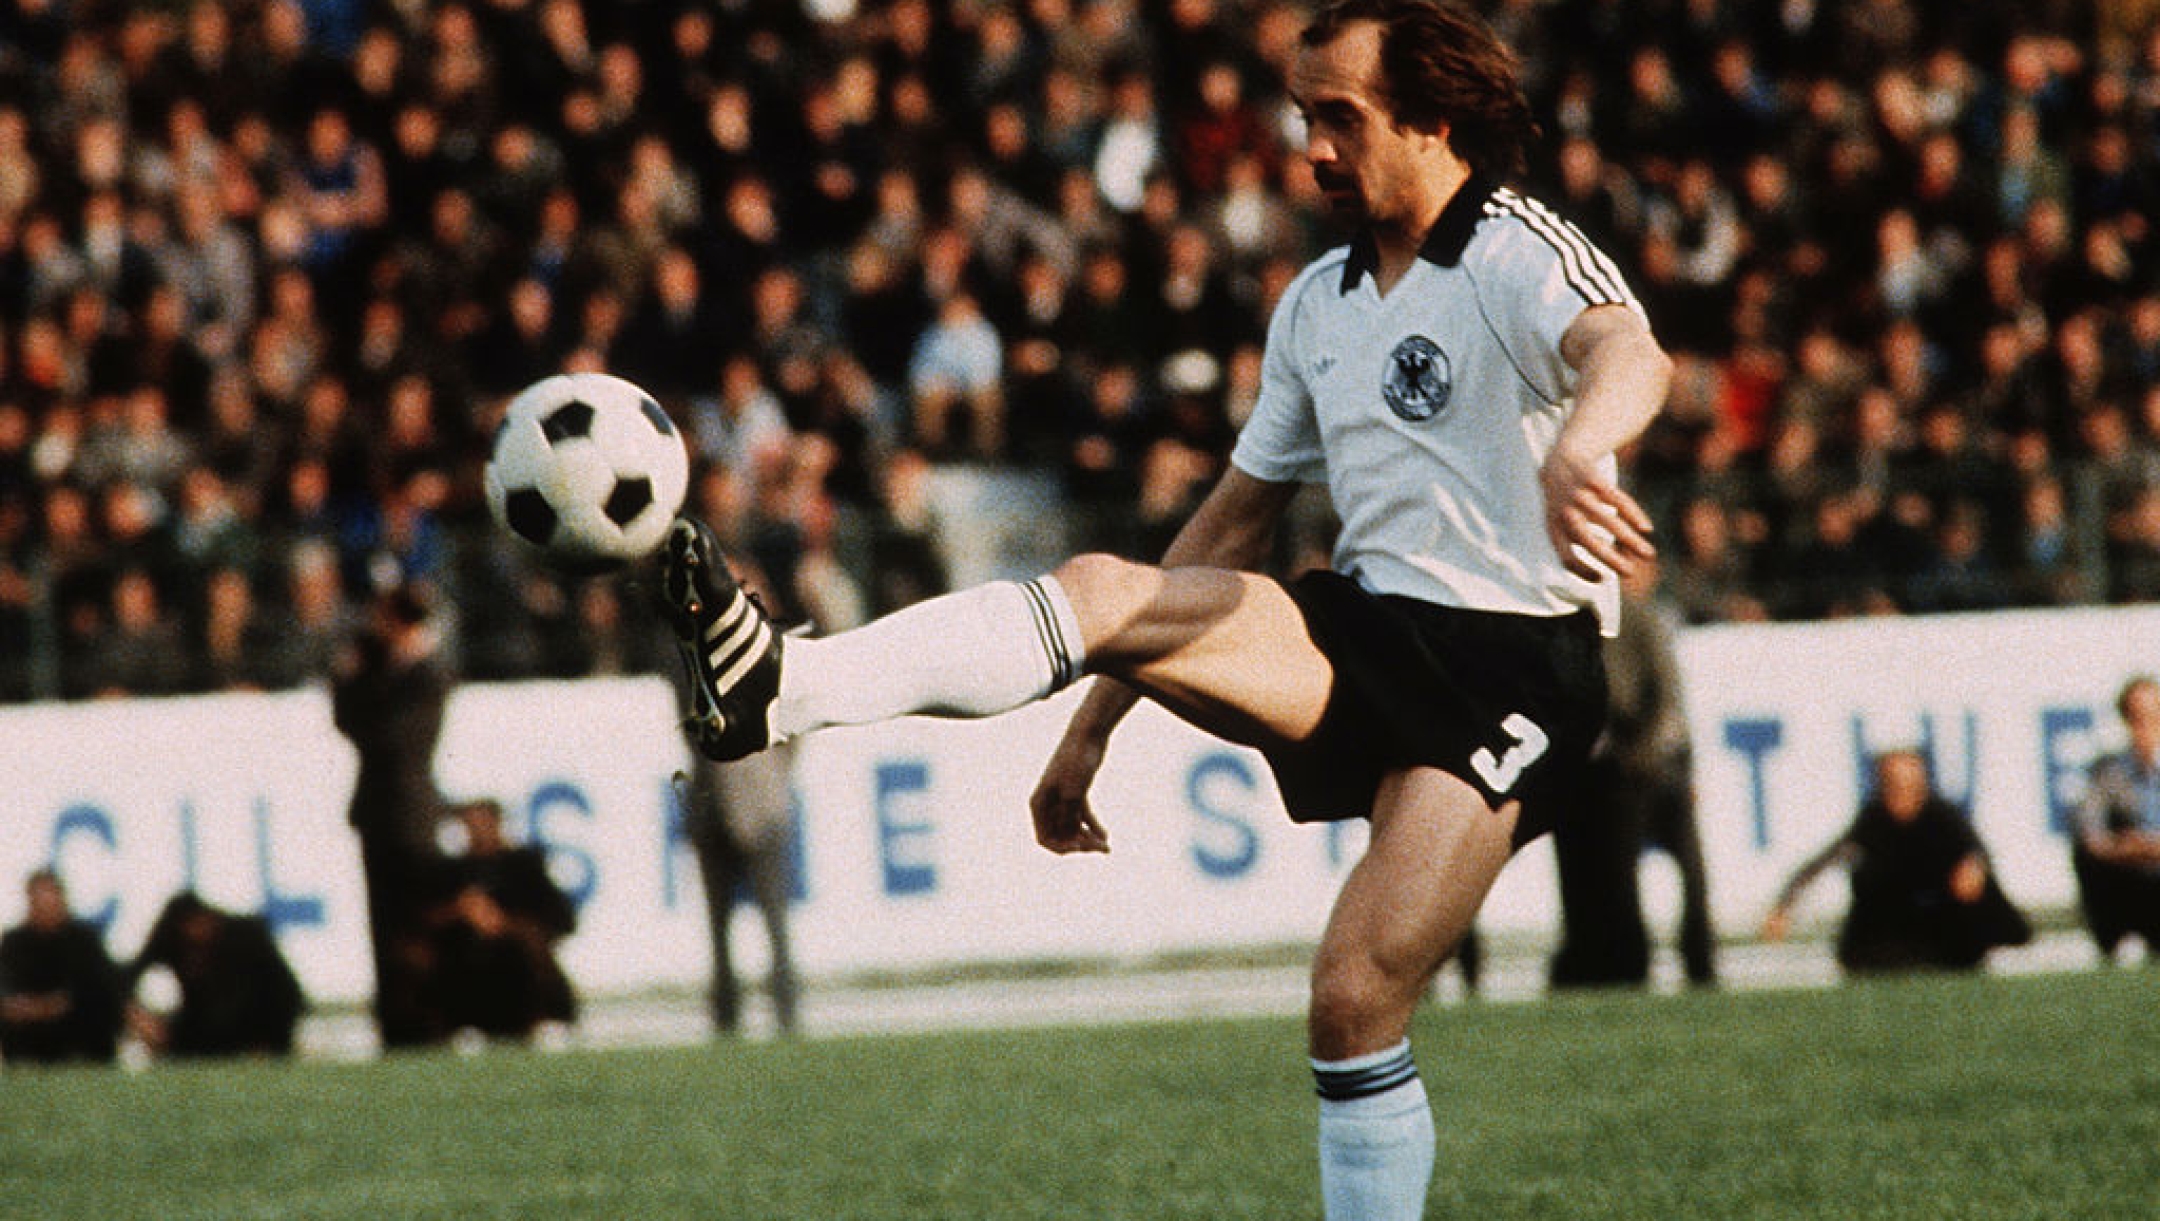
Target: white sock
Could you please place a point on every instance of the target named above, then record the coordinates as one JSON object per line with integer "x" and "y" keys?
{"x": 1376, "y": 1137}
{"x": 974, "y": 653}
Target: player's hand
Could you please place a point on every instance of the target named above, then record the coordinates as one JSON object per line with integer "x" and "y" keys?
{"x": 1064, "y": 819}
{"x": 1591, "y": 518}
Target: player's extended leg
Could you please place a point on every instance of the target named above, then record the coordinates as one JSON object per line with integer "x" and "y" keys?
{"x": 1226, "y": 650}
{"x": 1435, "y": 851}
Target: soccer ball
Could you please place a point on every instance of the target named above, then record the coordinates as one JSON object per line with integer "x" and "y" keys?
{"x": 588, "y": 469}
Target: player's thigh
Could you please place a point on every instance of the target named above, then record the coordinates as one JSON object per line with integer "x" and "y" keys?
{"x": 1227, "y": 650}
{"x": 1436, "y": 849}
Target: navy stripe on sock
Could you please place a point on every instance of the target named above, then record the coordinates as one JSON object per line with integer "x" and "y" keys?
{"x": 1053, "y": 639}
{"x": 1344, "y": 1086}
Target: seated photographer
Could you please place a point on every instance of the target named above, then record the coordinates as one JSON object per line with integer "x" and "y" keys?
{"x": 237, "y": 994}
{"x": 494, "y": 928}
{"x": 1923, "y": 894}
{"x": 2115, "y": 846}
{"x": 59, "y": 991}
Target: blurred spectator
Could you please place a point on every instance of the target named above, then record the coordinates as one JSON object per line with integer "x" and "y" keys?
{"x": 209, "y": 260}
{"x": 905, "y": 564}
{"x": 389, "y": 691}
{"x": 2050, "y": 562}
{"x": 235, "y": 640}
{"x": 1193, "y": 307}
{"x": 744, "y": 425}
{"x": 959, "y": 405}
{"x": 1001, "y": 225}
{"x": 2115, "y": 832}
{"x": 206, "y": 529}
{"x": 1960, "y": 574}
{"x": 1709, "y": 579}
{"x": 1222, "y": 127}
{"x": 1832, "y": 574}
{"x": 2133, "y": 546}
{"x": 240, "y": 445}
{"x": 1112, "y": 429}
{"x": 1640, "y": 795}
{"x": 666, "y": 343}
{"x": 1699, "y": 218}
{"x": 233, "y": 236}
{"x": 165, "y": 353}
{"x": 1596, "y": 194}
{"x": 236, "y": 995}
{"x": 143, "y": 650}
{"x": 59, "y": 989}
{"x": 779, "y": 326}
{"x": 342, "y": 194}
{"x": 609, "y": 633}
{"x": 881, "y": 314}
{"x": 521, "y": 345}
{"x": 493, "y": 932}
{"x": 1251, "y": 221}
{"x": 315, "y": 624}
{"x": 135, "y": 443}
{"x": 1923, "y": 893}
{"x": 1130, "y": 145}
{"x": 739, "y": 818}
{"x": 20, "y": 614}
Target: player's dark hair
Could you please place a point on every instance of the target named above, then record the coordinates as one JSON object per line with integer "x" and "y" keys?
{"x": 1441, "y": 64}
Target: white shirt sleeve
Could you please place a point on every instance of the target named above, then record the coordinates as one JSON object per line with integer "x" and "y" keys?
{"x": 1553, "y": 274}
{"x": 1280, "y": 443}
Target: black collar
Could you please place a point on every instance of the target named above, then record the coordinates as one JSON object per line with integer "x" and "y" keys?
{"x": 1444, "y": 242}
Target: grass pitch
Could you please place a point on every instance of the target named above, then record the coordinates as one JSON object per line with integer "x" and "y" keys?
{"x": 1970, "y": 1098}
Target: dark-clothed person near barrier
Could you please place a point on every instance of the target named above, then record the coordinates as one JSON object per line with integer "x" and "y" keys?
{"x": 237, "y": 994}
{"x": 59, "y": 989}
{"x": 1923, "y": 893}
{"x": 1639, "y": 794}
{"x": 388, "y": 698}
{"x": 495, "y": 932}
{"x": 739, "y": 818}
{"x": 2115, "y": 843}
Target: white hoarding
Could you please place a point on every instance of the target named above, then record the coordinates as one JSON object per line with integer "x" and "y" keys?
{"x": 914, "y": 847}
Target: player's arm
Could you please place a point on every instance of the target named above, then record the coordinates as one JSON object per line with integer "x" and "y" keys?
{"x": 1622, "y": 378}
{"x": 1233, "y": 528}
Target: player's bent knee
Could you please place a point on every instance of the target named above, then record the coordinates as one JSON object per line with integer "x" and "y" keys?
{"x": 1094, "y": 577}
{"x": 1106, "y": 591}
{"x": 1357, "y": 1006}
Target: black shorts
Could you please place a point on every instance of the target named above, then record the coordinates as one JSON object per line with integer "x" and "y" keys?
{"x": 1510, "y": 703}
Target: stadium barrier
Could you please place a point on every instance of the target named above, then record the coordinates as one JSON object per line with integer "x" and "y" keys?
{"x": 915, "y": 847}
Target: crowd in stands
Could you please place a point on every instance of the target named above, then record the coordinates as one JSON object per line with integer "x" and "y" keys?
{"x": 270, "y": 268}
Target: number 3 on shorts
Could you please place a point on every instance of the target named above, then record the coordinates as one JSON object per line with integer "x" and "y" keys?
{"x": 1501, "y": 773}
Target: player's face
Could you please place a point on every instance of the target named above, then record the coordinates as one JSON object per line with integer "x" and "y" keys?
{"x": 1367, "y": 166}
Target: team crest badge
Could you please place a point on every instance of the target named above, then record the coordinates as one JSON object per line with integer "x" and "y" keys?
{"x": 1418, "y": 381}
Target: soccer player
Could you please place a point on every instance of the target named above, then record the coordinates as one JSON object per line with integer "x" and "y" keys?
{"x": 1460, "y": 374}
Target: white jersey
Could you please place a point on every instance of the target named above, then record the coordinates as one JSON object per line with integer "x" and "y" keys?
{"x": 1429, "y": 411}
